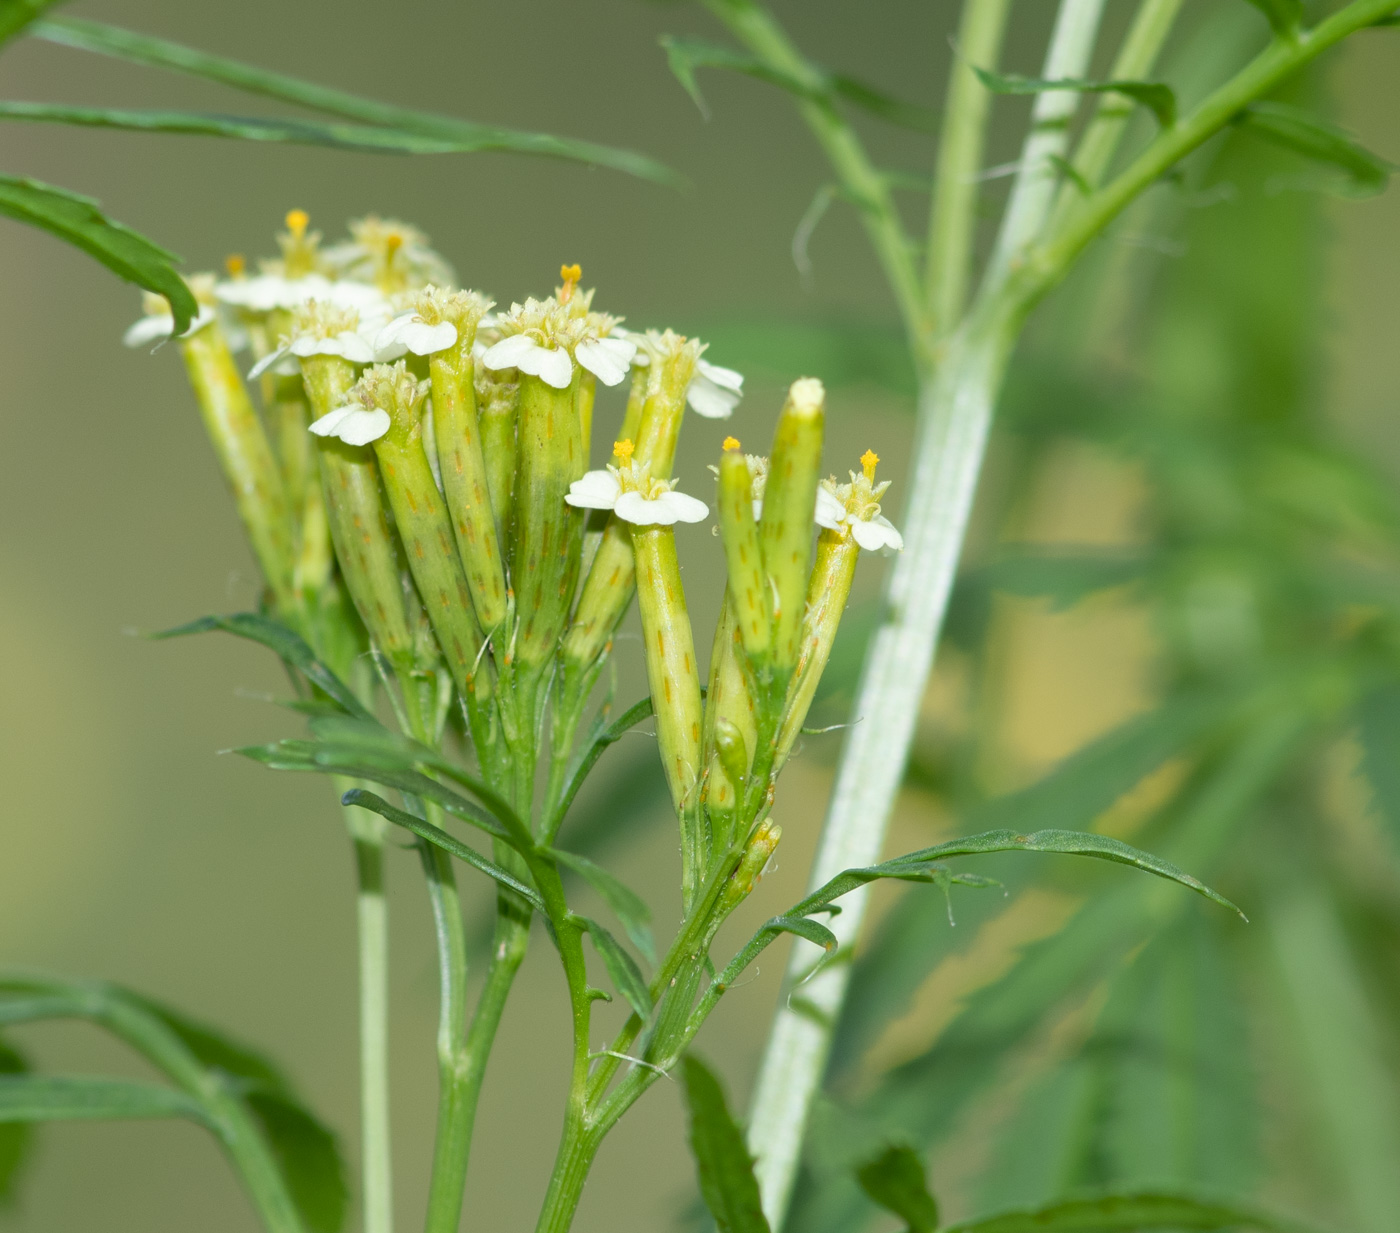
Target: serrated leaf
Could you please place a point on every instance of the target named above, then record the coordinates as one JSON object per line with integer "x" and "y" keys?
{"x": 1127, "y": 1213}
{"x": 16, "y": 1138}
{"x": 1158, "y": 97}
{"x": 440, "y": 838}
{"x": 722, "y": 1162}
{"x": 895, "y": 1180}
{"x": 463, "y": 134}
{"x": 1293, "y": 128}
{"x": 50, "y": 1098}
{"x": 626, "y": 904}
{"x": 1284, "y": 16}
{"x": 622, "y": 968}
{"x": 285, "y": 643}
{"x": 309, "y": 1157}
{"x": 685, "y": 54}
{"x": 79, "y": 221}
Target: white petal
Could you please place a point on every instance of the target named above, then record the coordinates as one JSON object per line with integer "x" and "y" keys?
{"x": 149, "y": 330}
{"x": 268, "y": 361}
{"x": 478, "y": 350}
{"x": 552, "y": 367}
{"x": 685, "y": 508}
{"x": 596, "y": 490}
{"x": 366, "y": 298}
{"x": 711, "y": 400}
{"x": 877, "y": 535}
{"x": 667, "y": 509}
{"x": 608, "y": 359}
{"x": 353, "y": 425}
{"x": 758, "y": 509}
{"x": 424, "y": 339}
{"x": 831, "y": 511}
{"x": 509, "y": 352}
{"x": 725, "y": 378}
{"x": 351, "y": 346}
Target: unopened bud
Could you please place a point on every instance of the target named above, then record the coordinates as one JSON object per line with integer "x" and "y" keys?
{"x": 729, "y": 705}
{"x": 498, "y": 396}
{"x": 750, "y": 871}
{"x": 748, "y": 586}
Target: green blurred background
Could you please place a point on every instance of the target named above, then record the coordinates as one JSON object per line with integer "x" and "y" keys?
{"x": 132, "y": 852}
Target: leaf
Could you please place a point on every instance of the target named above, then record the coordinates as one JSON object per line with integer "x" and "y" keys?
{"x": 440, "y": 838}
{"x": 626, "y": 976}
{"x": 610, "y": 735}
{"x": 79, "y": 221}
{"x": 1285, "y": 16}
{"x": 15, "y": 15}
{"x": 360, "y": 138}
{"x": 801, "y": 926}
{"x": 286, "y": 644}
{"x": 722, "y": 1162}
{"x": 1293, "y": 128}
{"x": 626, "y": 904}
{"x": 16, "y": 1138}
{"x": 1158, "y": 97}
{"x": 1064, "y": 575}
{"x": 1126, "y": 1213}
{"x": 45, "y": 1098}
{"x": 465, "y": 135}
{"x": 685, "y": 54}
{"x": 1379, "y": 716}
{"x": 309, "y": 1158}
{"x": 895, "y": 1180}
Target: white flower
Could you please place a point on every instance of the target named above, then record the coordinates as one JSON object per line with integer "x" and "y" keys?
{"x": 553, "y": 367}
{"x": 875, "y": 534}
{"x": 596, "y": 490}
{"x": 410, "y": 330}
{"x": 359, "y": 346}
{"x": 158, "y": 327}
{"x": 714, "y": 392}
{"x": 353, "y": 424}
{"x": 664, "y": 509}
{"x": 265, "y": 292}
{"x": 608, "y": 359}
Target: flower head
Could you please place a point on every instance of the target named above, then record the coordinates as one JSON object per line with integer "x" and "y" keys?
{"x": 713, "y": 391}
{"x": 157, "y": 324}
{"x": 394, "y": 256}
{"x": 384, "y": 393}
{"x": 323, "y": 327}
{"x": 631, "y": 493}
{"x": 543, "y": 338}
{"x": 854, "y": 509}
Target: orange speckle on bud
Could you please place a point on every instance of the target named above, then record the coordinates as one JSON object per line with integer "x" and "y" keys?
{"x": 868, "y": 461}
{"x": 570, "y": 274}
{"x": 623, "y": 450}
{"x": 236, "y": 265}
{"x": 731, "y": 443}
{"x": 297, "y": 221}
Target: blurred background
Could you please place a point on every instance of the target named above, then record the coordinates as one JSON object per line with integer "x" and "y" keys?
{"x": 1183, "y": 570}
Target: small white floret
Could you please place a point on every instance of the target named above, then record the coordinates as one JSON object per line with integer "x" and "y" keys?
{"x": 411, "y": 331}
{"x": 353, "y": 424}
{"x": 596, "y": 490}
{"x": 608, "y": 359}
{"x": 663, "y": 510}
{"x": 158, "y": 328}
{"x": 877, "y": 535}
{"x": 553, "y": 367}
{"x": 714, "y": 392}
{"x": 831, "y": 510}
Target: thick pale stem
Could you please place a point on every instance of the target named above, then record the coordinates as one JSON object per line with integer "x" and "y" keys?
{"x": 376, "y": 1169}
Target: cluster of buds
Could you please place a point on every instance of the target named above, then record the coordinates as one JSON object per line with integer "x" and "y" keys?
{"x": 416, "y": 489}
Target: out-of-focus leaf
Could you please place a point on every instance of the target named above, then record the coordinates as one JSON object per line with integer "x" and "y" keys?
{"x": 685, "y": 54}
{"x": 626, "y": 904}
{"x": 287, "y": 645}
{"x": 1127, "y": 1213}
{"x": 440, "y": 838}
{"x": 722, "y": 1161}
{"x": 465, "y": 135}
{"x": 15, "y": 15}
{"x": 1064, "y": 575}
{"x": 215, "y": 1050}
{"x": 79, "y": 220}
{"x": 309, "y": 1158}
{"x": 622, "y": 968}
{"x": 895, "y": 1180}
{"x": 53, "y": 1098}
{"x": 1285, "y": 16}
{"x": 16, "y": 1138}
{"x": 1365, "y": 174}
{"x": 1379, "y": 714}
{"x": 1156, "y": 96}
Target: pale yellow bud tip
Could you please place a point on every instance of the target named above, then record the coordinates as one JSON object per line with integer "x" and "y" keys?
{"x": 297, "y": 221}
{"x": 623, "y": 449}
{"x": 869, "y": 460}
{"x": 731, "y": 443}
{"x": 235, "y": 264}
{"x": 807, "y": 395}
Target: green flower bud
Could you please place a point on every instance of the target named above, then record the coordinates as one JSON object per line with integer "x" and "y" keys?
{"x": 498, "y": 397}
{"x": 789, "y": 503}
{"x": 245, "y": 455}
{"x": 748, "y": 584}
{"x": 750, "y": 871}
{"x": 461, "y": 461}
{"x": 729, "y": 708}
{"x": 421, "y": 517}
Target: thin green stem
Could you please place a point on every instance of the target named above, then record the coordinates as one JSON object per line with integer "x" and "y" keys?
{"x": 953, "y": 215}
{"x": 376, "y": 1165}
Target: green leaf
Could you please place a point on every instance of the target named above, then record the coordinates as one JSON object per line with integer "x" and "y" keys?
{"x": 286, "y": 644}
{"x": 1285, "y": 16}
{"x": 309, "y": 1157}
{"x": 360, "y": 138}
{"x": 440, "y": 838}
{"x": 622, "y": 968}
{"x": 463, "y": 134}
{"x": 895, "y": 1180}
{"x": 685, "y": 54}
{"x": 1366, "y": 174}
{"x": 1158, "y": 97}
{"x": 722, "y": 1162}
{"x": 1127, "y": 1213}
{"x": 626, "y": 904}
{"x": 45, "y": 1098}
{"x": 79, "y": 220}
{"x": 1379, "y": 715}
{"x": 15, "y": 15}
{"x": 16, "y": 1138}
{"x": 610, "y": 735}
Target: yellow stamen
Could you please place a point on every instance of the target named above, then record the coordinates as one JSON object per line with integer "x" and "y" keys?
{"x": 731, "y": 443}
{"x": 570, "y": 274}
{"x": 392, "y": 243}
{"x": 868, "y": 460}
{"x": 235, "y": 264}
{"x": 297, "y": 222}
{"x": 623, "y": 450}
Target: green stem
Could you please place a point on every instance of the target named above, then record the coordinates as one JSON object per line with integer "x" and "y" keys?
{"x": 376, "y": 1165}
